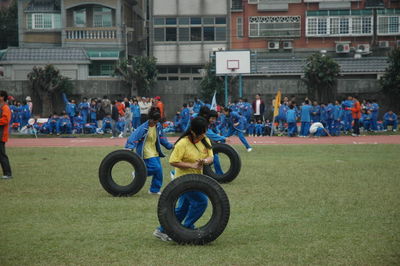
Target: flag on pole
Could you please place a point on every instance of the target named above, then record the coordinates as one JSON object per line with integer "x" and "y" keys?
{"x": 214, "y": 102}
{"x": 277, "y": 102}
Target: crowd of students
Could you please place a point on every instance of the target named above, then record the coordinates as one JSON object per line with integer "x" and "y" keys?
{"x": 96, "y": 116}
{"x": 122, "y": 116}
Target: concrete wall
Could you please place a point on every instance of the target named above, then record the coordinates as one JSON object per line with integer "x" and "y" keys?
{"x": 189, "y": 7}
{"x": 175, "y": 93}
{"x": 184, "y": 54}
{"x": 20, "y": 72}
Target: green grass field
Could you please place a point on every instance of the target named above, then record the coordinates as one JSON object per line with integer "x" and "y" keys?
{"x": 293, "y": 204}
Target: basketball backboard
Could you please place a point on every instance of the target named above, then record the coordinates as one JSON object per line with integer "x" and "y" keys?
{"x": 232, "y": 62}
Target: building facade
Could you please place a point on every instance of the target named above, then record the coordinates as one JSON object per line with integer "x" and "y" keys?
{"x": 184, "y": 32}
{"x": 106, "y": 30}
{"x": 294, "y": 26}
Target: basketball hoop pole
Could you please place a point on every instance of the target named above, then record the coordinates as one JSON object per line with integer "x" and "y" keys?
{"x": 240, "y": 86}
{"x": 226, "y": 90}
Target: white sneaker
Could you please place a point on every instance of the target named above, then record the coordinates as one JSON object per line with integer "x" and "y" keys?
{"x": 111, "y": 137}
{"x": 154, "y": 193}
{"x": 172, "y": 175}
{"x": 249, "y": 149}
{"x": 121, "y": 135}
{"x": 6, "y": 177}
{"x": 162, "y": 236}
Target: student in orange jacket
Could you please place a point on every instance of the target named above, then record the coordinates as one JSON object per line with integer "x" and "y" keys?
{"x": 158, "y": 103}
{"x": 5, "y": 117}
{"x": 356, "y": 113}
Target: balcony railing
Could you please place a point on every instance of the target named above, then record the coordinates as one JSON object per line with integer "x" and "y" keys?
{"x": 91, "y": 33}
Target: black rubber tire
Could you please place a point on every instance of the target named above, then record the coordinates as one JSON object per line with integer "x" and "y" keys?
{"x": 216, "y": 195}
{"x": 107, "y": 181}
{"x": 235, "y": 164}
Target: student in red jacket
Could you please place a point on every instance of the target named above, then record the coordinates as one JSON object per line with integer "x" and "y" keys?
{"x": 356, "y": 113}
{"x": 5, "y": 117}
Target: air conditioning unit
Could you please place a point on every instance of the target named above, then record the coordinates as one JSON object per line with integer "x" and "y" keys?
{"x": 363, "y": 47}
{"x": 273, "y": 45}
{"x": 342, "y": 48}
{"x": 287, "y": 45}
{"x": 383, "y": 44}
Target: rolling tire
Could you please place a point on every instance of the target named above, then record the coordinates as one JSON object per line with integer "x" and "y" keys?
{"x": 206, "y": 233}
{"x": 107, "y": 181}
{"x": 235, "y": 164}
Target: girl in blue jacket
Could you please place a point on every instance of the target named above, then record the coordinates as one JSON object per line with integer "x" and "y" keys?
{"x": 146, "y": 139}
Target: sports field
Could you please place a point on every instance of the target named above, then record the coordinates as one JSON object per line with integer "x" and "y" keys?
{"x": 291, "y": 204}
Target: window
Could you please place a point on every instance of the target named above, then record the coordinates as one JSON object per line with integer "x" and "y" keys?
{"x": 220, "y": 20}
{"x": 159, "y": 35}
{"x": 208, "y": 34}
{"x": 102, "y": 17}
{"x": 183, "y": 34}
{"x": 239, "y": 27}
{"x": 44, "y": 21}
{"x": 195, "y": 21}
{"x": 274, "y": 26}
{"x": 344, "y": 26}
{"x": 338, "y": 26}
{"x": 184, "y": 21}
{"x": 195, "y": 34}
{"x": 388, "y": 25}
{"x": 80, "y": 18}
{"x": 185, "y": 29}
{"x": 101, "y": 68}
{"x": 159, "y": 21}
{"x": 170, "y": 21}
{"x": 170, "y": 34}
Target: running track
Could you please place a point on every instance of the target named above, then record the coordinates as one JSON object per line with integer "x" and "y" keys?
{"x": 77, "y": 142}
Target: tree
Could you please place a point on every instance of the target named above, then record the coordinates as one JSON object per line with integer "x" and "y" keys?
{"x": 320, "y": 77}
{"x": 139, "y": 73}
{"x": 46, "y": 83}
{"x": 9, "y": 26}
{"x": 390, "y": 82}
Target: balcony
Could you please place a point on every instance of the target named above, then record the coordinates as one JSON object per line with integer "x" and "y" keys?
{"x": 88, "y": 34}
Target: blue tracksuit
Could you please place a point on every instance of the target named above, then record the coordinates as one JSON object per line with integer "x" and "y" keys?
{"x": 78, "y": 124}
{"x": 291, "y": 120}
{"x": 366, "y": 121}
{"x": 107, "y": 124}
{"x": 25, "y": 115}
{"x": 337, "y": 117}
{"x": 92, "y": 111}
{"x": 259, "y": 129}
{"x": 390, "y": 119}
{"x": 52, "y": 123}
{"x": 137, "y": 140}
{"x": 315, "y": 113}
{"x": 84, "y": 110}
{"x": 323, "y": 116}
{"x": 374, "y": 116}
{"x": 197, "y": 105}
{"x": 251, "y": 129}
{"x": 64, "y": 125}
{"x": 281, "y": 118}
{"x": 305, "y": 118}
{"x": 329, "y": 117}
{"x": 185, "y": 118}
{"x": 217, "y": 138}
{"x": 347, "y": 117}
{"x": 135, "y": 110}
{"x": 70, "y": 108}
{"x": 239, "y": 129}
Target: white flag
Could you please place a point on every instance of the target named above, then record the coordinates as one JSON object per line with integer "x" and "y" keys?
{"x": 214, "y": 102}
